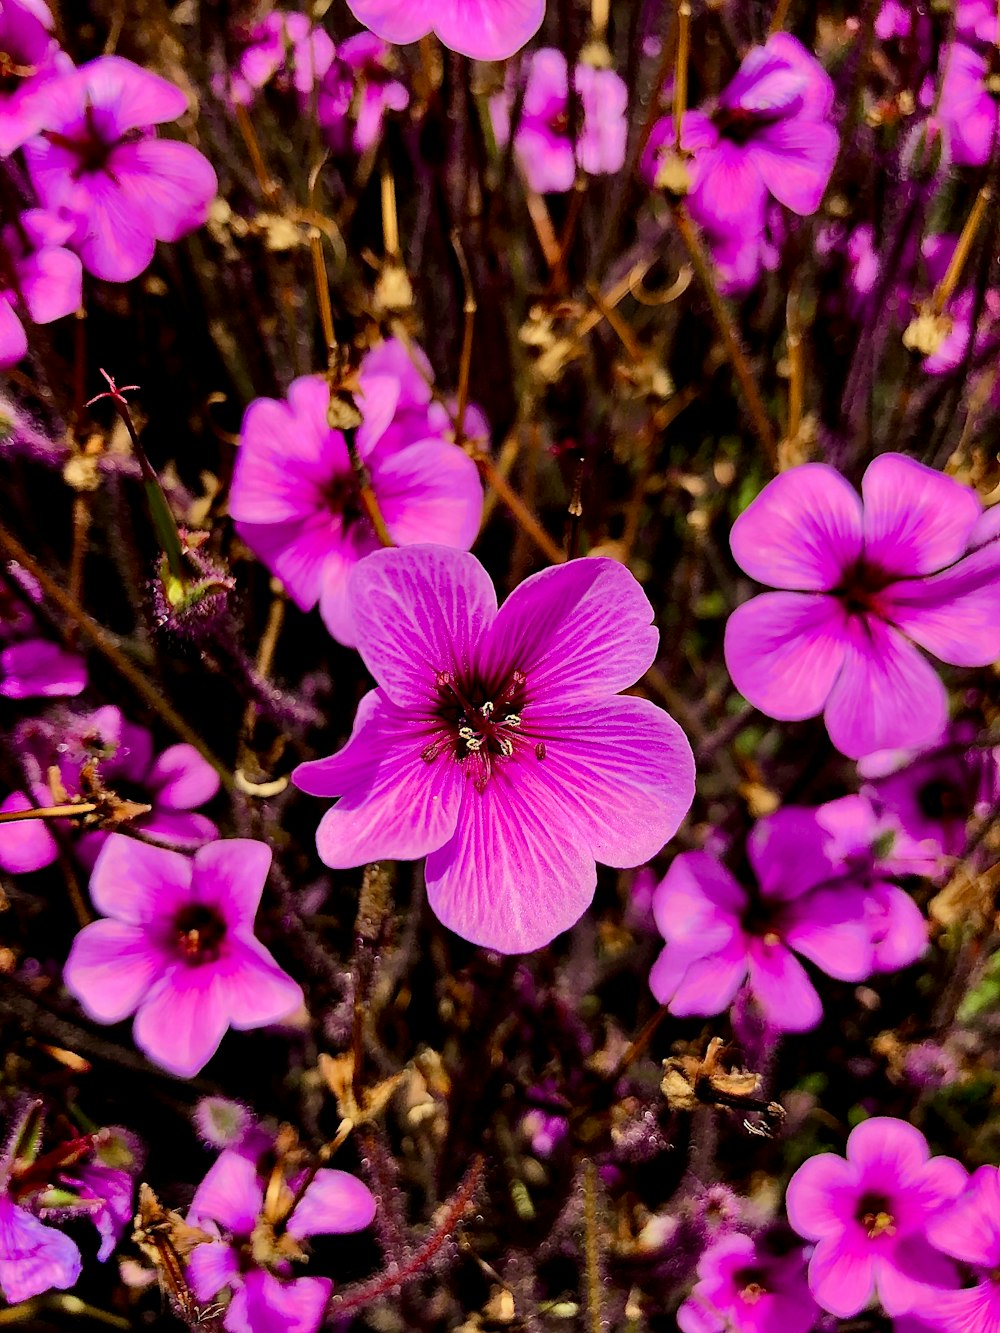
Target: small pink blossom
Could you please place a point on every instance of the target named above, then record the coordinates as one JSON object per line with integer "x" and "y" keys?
{"x": 38, "y": 276}
{"x": 358, "y": 90}
{"x": 177, "y": 949}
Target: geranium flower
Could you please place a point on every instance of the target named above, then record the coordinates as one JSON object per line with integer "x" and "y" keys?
{"x": 482, "y": 29}
{"x": 718, "y": 935}
{"x": 30, "y": 666}
{"x": 976, "y": 19}
{"x": 358, "y": 90}
{"x": 36, "y": 270}
{"x": 967, "y": 108}
{"x": 283, "y": 46}
{"x": 174, "y": 782}
{"x": 917, "y": 563}
{"x": 178, "y": 949}
{"x": 251, "y": 1266}
{"x": 970, "y": 1231}
{"x": 542, "y": 140}
{"x": 33, "y": 1257}
{"x": 770, "y": 135}
{"x": 294, "y": 494}
{"x": 746, "y": 1286}
{"x": 870, "y": 1214}
{"x": 29, "y": 55}
{"x": 495, "y": 743}
{"x": 98, "y": 161}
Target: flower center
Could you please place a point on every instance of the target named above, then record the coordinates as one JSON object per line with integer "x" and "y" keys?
{"x": 940, "y": 800}
{"x": 91, "y": 149}
{"x": 749, "y": 1283}
{"x": 860, "y": 587}
{"x": 481, "y": 727}
{"x": 340, "y": 494}
{"x": 874, "y": 1215}
{"x": 198, "y": 934}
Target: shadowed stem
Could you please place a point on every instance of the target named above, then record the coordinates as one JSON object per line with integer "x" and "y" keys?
{"x": 591, "y": 1252}
{"x": 727, "y": 329}
{"x": 525, "y": 518}
{"x": 469, "y": 309}
{"x": 48, "y": 812}
{"x": 681, "y": 68}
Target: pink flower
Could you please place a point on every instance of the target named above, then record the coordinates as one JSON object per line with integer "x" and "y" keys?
{"x": 864, "y": 583}
{"x": 545, "y": 149}
{"x": 29, "y": 55}
{"x": 358, "y": 90}
{"x": 294, "y": 494}
{"x": 98, "y": 161}
{"x": 495, "y": 743}
{"x": 970, "y": 1231}
{"x": 870, "y": 1215}
{"x": 33, "y": 1257}
{"x": 746, "y": 1286}
{"x": 178, "y": 950}
{"x": 279, "y": 46}
{"x": 30, "y": 666}
{"x": 35, "y": 268}
{"x": 967, "y": 108}
{"x": 482, "y": 29}
{"x": 718, "y": 935}
{"x": 262, "y": 1295}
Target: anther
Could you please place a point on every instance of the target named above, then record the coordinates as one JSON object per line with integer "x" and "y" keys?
{"x": 506, "y": 745}
{"x": 487, "y": 709}
{"x": 512, "y": 720}
{"x": 539, "y": 751}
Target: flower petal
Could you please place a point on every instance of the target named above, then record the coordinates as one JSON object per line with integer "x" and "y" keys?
{"x": 622, "y": 770}
{"x": 267, "y": 1304}
{"x": 111, "y": 966}
{"x": 35, "y": 668}
{"x": 795, "y": 158}
{"x": 577, "y": 631}
{"x": 398, "y": 21}
{"x": 955, "y": 614}
{"x": 886, "y": 696}
{"x": 822, "y": 1196}
{"x": 709, "y": 982}
{"x": 698, "y": 901}
{"x": 830, "y": 928}
{"x": 787, "y": 853}
{"x": 917, "y": 520}
{"x": 842, "y": 1276}
{"x": 783, "y": 992}
{"x": 393, "y": 803}
{"x": 230, "y": 874}
{"x": 25, "y": 845}
{"x": 801, "y": 532}
{"x": 512, "y": 877}
{"x": 137, "y": 883}
{"x": 784, "y": 651}
{"x": 181, "y": 1022}
{"x": 430, "y": 492}
{"x": 33, "y": 1257}
{"x": 211, "y": 1267}
{"x": 487, "y": 29}
{"x": 52, "y": 284}
{"x": 420, "y": 611}
{"x": 182, "y": 779}
{"x": 970, "y": 1228}
{"x": 258, "y": 992}
{"x": 898, "y": 927}
{"x": 13, "y": 339}
{"x": 230, "y": 1193}
{"x": 334, "y": 1203}
{"x": 887, "y": 1149}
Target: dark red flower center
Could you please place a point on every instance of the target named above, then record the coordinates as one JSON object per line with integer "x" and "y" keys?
{"x": 198, "y": 934}
{"x": 860, "y": 587}
{"x": 480, "y": 726}
{"x": 91, "y": 149}
{"x": 941, "y": 800}
{"x": 341, "y": 496}
{"x": 875, "y": 1217}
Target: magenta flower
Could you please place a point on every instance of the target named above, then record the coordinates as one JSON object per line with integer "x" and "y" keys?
{"x": 294, "y": 494}
{"x": 32, "y": 667}
{"x": 969, "y": 1230}
{"x": 976, "y": 19}
{"x": 358, "y": 90}
{"x": 543, "y": 141}
{"x": 745, "y": 1286}
{"x": 718, "y": 935}
{"x": 482, "y": 29}
{"x": 38, "y": 272}
{"x": 958, "y": 311}
{"x": 285, "y": 47}
{"x": 263, "y": 1297}
{"x": 967, "y": 109}
{"x": 863, "y": 583}
{"x": 29, "y": 55}
{"x": 174, "y": 783}
{"x": 870, "y": 1214}
{"x": 178, "y": 950}
{"x": 495, "y": 744}
{"x": 97, "y": 160}
{"x": 771, "y": 134}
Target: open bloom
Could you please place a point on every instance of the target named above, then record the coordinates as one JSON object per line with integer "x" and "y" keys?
{"x": 174, "y": 782}
{"x": 719, "y": 935}
{"x": 482, "y": 29}
{"x": 543, "y": 141}
{"x": 495, "y": 743}
{"x": 178, "y": 950}
{"x": 29, "y": 55}
{"x": 863, "y": 583}
{"x": 286, "y": 47}
{"x": 295, "y": 498}
{"x": 771, "y": 134}
{"x": 38, "y": 272}
{"x": 870, "y": 1214}
{"x": 745, "y": 1287}
{"x": 249, "y": 1266}
{"x": 970, "y": 1230}
{"x": 359, "y": 88}
{"x": 98, "y": 161}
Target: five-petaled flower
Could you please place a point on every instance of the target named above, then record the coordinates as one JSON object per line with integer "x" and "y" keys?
{"x": 970, "y": 1231}
{"x": 862, "y": 583}
{"x": 749, "y": 1286}
{"x": 178, "y": 949}
{"x": 496, "y": 744}
{"x": 869, "y": 1214}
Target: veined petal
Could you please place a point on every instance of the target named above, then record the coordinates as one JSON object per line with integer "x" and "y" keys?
{"x": 230, "y": 874}
{"x": 182, "y": 1020}
{"x": 886, "y": 696}
{"x": 137, "y": 883}
{"x": 785, "y": 650}
{"x": 801, "y": 532}
{"x": 420, "y": 611}
{"x": 231, "y": 1194}
{"x": 335, "y": 1203}
{"x": 398, "y": 21}
{"x": 726, "y": 188}
{"x": 487, "y": 29}
{"x": 170, "y": 183}
{"x": 258, "y": 992}
{"x": 822, "y": 1196}
{"x": 110, "y": 967}
{"x": 781, "y": 988}
{"x": 955, "y": 614}
{"x": 795, "y": 158}
{"x": 33, "y": 1257}
{"x": 131, "y": 95}
{"x": 578, "y": 631}
{"x": 211, "y": 1267}
{"x": 268, "y": 1304}
{"x": 622, "y": 769}
{"x": 886, "y": 1148}
{"x": 513, "y": 876}
{"x": 394, "y": 803}
{"x": 430, "y": 492}
{"x": 842, "y": 1276}
{"x": 917, "y": 520}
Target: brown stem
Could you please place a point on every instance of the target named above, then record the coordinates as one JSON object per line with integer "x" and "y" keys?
{"x": 48, "y": 812}
{"x": 525, "y": 519}
{"x": 591, "y": 1250}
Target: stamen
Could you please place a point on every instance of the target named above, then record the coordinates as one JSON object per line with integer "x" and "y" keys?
{"x": 487, "y": 709}
{"x": 879, "y": 1224}
{"x": 506, "y": 745}
{"x": 512, "y": 720}
{"x": 752, "y": 1293}
{"x": 540, "y": 751}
